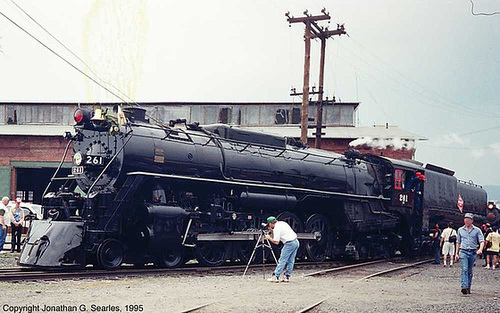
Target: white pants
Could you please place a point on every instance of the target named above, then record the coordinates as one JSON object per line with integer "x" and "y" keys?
{"x": 448, "y": 248}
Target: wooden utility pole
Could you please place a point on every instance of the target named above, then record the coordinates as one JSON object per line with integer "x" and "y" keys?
{"x": 313, "y": 31}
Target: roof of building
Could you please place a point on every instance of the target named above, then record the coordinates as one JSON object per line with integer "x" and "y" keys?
{"x": 380, "y": 132}
{"x": 35, "y": 130}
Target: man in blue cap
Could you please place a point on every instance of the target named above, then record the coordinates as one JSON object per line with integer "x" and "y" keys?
{"x": 283, "y": 232}
{"x": 469, "y": 237}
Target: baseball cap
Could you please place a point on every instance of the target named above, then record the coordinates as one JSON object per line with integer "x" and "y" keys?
{"x": 271, "y": 219}
{"x": 469, "y": 215}
{"x": 18, "y": 200}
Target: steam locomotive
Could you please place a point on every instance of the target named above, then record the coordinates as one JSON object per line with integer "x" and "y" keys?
{"x": 143, "y": 192}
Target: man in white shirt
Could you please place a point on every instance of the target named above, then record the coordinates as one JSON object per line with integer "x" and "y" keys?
{"x": 283, "y": 232}
{"x": 447, "y": 244}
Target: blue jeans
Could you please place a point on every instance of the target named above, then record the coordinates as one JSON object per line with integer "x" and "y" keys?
{"x": 287, "y": 258}
{"x": 437, "y": 253}
{"x": 3, "y": 235}
{"x": 467, "y": 259}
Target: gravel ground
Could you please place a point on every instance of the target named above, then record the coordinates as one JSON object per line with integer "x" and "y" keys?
{"x": 8, "y": 259}
{"x": 424, "y": 289}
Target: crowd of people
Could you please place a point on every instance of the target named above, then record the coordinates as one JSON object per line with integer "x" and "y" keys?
{"x": 13, "y": 217}
{"x": 465, "y": 244}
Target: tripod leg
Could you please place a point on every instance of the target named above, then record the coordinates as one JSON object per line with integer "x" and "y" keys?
{"x": 272, "y": 252}
{"x": 251, "y": 256}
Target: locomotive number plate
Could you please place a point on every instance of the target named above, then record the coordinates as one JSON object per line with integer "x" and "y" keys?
{"x": 76, "y": 170}
{"x": 94, "y": 160}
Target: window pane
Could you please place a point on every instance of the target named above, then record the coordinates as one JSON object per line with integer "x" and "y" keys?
{"x": 210, "y": 115}
{"x": 225, "y": 115}
{"x": 267, "y": 114}
{"x": 296, "y": 116}
{"x": 196, "y": 113}
{"x": 237, "y": 115}
{"x": 2, "y": 114}
{"x": 252, "y": 115}
{"x": 281, "y": 116}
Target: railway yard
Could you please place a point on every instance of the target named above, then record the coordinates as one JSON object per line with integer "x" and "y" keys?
{"x": 413, "y": 286}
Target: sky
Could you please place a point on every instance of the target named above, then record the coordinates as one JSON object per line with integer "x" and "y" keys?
{"x": 430, "y": 67}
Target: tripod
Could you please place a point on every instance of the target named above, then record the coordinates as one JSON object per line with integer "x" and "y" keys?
{"x": 264, "y": 243}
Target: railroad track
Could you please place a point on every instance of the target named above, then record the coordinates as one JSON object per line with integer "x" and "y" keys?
{"x": 24, "y": 274}
{"x": 364, "y": 278}
{"x": 339, "y": 269}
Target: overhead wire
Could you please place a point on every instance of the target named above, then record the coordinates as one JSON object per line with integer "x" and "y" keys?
{"x": 70, "y": 51}
{"x": 411, "y": 79}
{"x": 61, "y": 57}
{"x": 95, "y": 80}
{"x": 481, "y": 13}
{"x": 441, "y": 103}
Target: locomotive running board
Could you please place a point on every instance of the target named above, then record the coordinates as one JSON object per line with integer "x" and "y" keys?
{"x": 249, "y": 236}
{"x": 259, "y": 185}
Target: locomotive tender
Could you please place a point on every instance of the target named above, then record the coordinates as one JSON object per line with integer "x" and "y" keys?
{"x": 144, "y": 192}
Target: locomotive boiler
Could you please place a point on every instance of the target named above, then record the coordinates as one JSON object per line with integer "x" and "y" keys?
{"x": 143, "y": 192}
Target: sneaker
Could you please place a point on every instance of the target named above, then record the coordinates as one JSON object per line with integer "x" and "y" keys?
{"x": 488, "y": 266}
{"x": 286, "y": 279}
{"x": 273, "y": 279}
{"x": 468, "y": 291}
{"x": 464, "y": 290}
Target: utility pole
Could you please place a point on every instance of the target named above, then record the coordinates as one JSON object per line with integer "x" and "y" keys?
{"x": 313, "y": 31}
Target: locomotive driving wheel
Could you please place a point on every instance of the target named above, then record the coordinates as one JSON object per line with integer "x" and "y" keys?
{"x": 171, "y": 256}
{"x": 110, "y": 254}
{"x": 317, "y": 250}
{"x": 210, "y": 253}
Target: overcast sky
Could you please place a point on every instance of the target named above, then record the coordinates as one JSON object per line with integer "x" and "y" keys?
{"x": 428, "y": 66}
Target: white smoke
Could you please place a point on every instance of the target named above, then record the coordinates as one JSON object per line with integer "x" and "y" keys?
{"x": 380, "y": 143}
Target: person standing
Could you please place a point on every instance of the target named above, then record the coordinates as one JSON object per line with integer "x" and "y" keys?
{"x": 436, "y": 237}
{"x": 4, "y": 214}
{"x": 486, "y": 231}
{"x": 469, "y": 237}
{"x": 16, "y": 222}
{"x": 493, "y": 251}
{"x": 283, "y": 232}
{"x": 448, "y": 239}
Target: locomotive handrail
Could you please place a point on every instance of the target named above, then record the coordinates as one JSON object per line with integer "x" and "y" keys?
{"x": 58, "y": 168}
{"x": 259, "y": 185}
{"x": 470, "y": 183}
{"x": 107, "y": 165}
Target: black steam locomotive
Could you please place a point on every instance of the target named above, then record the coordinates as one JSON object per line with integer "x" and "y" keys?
{"x": 144, "y": 192}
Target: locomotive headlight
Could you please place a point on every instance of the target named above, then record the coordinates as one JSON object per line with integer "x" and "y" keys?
{"x": 77, "y": 159}
{"x": 491, "y": 206}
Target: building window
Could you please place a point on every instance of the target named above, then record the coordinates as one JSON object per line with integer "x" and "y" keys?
{"x": 282, "y": 116}
{"x": 11, "y": 115}
{"x": 296, "y": 116}
{"x": 225, "y": 115}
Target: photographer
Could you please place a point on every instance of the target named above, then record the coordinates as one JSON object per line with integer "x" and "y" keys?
{"x": 281, "y": 231}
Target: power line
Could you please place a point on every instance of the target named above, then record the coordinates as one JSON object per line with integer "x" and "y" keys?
{"x": 61, "y": 57}
{"x": 70, "y": 51}
{"x": 79, "y": 70}
{"x": 436, "y": 102}
{"x": 481, "y": 13}
{"x": 414, "y": 81}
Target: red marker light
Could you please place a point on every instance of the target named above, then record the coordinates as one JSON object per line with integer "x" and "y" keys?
{"x": 78, "y": 116}
{"x": 491, "y": 216}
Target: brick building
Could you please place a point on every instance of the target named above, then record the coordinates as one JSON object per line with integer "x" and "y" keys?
{"x": 32, "y": 143}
